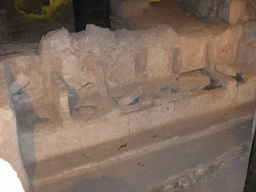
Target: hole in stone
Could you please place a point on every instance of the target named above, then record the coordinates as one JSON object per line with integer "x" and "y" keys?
{"x": 213, "y": 85}
{"x": 136, "y": 101}
{"x": 238, "y": 77}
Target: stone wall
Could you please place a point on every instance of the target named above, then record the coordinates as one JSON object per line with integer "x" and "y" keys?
{"x": 247, "y": 47}
{"x": 105, "y": 60}
{"x": 231, "y": 11}
{"x": 100, "y": 61}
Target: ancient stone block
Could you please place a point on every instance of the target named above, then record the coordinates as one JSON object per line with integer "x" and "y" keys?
{"x": 100, "y": 132}
{"x": 60, "y": 95}
{"x": 226, "y": 45}
{"x": 226, "y": 70}
{"x": 130, "y": 95}
{"x": 222, "y": 98}
{"x": 143, "y": 102}
{"x": 246, "y": 52}
{"x": 151, "y": 117}
{"x": 237, "y": 70}
{"x": 191, "y": 107}
{"x": 47, "y": 146}
{"x": 236, "y": 10}
{"x": 193, "y": 52}
{"x": 9, "y": 146}
{"x": 160, "y": 43}
{"x": 55, "y": 41}
{"x": 224, "y": 80}
{"x": 246, "y": 92}
{"x": 192, "y": 82}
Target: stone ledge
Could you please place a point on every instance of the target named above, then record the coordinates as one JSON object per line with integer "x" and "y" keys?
{"x": 224, "y": 80}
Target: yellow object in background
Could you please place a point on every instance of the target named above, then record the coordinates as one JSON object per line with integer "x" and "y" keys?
{"x": 151, "y": 1}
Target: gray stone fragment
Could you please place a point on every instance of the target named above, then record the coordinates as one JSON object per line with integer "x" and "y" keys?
{"x": 130, "y": 95}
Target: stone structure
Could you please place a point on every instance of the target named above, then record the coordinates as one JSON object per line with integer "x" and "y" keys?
{"x": 9, "y": 146}
{"x": 84, "y": 89}
{"x": 230, "y": 11}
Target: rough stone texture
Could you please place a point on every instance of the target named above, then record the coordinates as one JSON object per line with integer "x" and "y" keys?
{"x": 210, "y": 56}
{"x": 236, "y": 10}
{"x": 80, "y": 135}
{"x": 143, "y": 102}
{"x": 226, "y": 45}
{"x": 26, "y": 71}
{"x": 213, "y": 10}
{"x": 104, "y": 60}
{"x": 160, "y": 43}
{"x": 9, "y": 146}
{"x": 151, "y": 117}
{"x": 250, "y": 11}
{"x": 46, "y": 144}
{"x": 235, "y": 69}
{"x": 124, "y": 57}
{"x": 246, "y": 92}
{"x": 194, "y": 106}
{"x": 100, "y": 65}
{"x": 96, "y": 108}
{"x": 130, "y": 95}
{"x": 193, "y": 51}
{"x": 224, "y": 80}
{"x": 226, "y": 70}
{"x": 60, "y": 95}
{"x": 247, "y": 47}
{"x": 222, "y": 98}
{"x": 193, "y": 81}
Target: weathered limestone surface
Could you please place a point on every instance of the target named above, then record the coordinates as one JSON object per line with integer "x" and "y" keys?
{"x": 222, "y": 79}
{"x": 125, "y": 57}
{"x": 80, "y": 135}
{"x": 24, "y": 79}
{"x": 193, "y": 52}
{"x": 60, "y": 95}
{"x": 236, "y": 69}
{"x": 226, "y": 70}
{"x": 226, "y": 45}
{"x": 247, "y": 47}
{"x": 130, "y": 95}
{"x": 246, "y": 92}
{"x": 9, "y": 146}
{"x": 100, "y": 65}
{"x": 194, "y": 82}
{"x": 229, "y": 10}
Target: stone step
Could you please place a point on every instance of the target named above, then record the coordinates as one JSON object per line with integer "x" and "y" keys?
{"x": 247, "y": 74}
{"x": 145, "y": 160}
{"x": 222, "y": 79}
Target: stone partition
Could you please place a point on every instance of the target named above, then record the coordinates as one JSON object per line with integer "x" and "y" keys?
{"x": 9, "y": 146}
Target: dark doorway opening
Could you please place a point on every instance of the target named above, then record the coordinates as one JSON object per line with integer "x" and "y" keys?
{"x": 91, "y": 12}
{"x": 45, "y": 2}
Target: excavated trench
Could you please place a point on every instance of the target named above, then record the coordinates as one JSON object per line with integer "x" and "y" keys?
{"x": 82, "y": 90}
